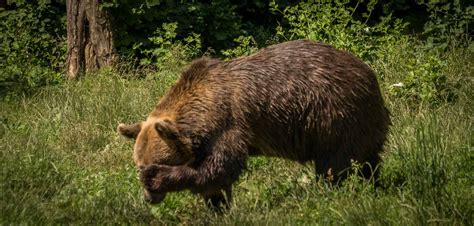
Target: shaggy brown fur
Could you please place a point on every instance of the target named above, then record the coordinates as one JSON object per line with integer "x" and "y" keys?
{"x": 298, "y": 100}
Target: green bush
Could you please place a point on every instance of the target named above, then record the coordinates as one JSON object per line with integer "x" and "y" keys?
{"x": 332, "y": 22}
{"x": 422, "y": 76}
{"x": 32, "y": 47}
{"x": 167, "y": 50}
{"x": 246, "y": 46}
{"x": 426, "y": 69}
{"x": 450, "y": 24}
{"x": 217, "y": 22}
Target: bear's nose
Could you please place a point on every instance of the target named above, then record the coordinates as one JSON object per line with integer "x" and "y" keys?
{"x": 140, "y": 168}
{"x": 153, "y": 198}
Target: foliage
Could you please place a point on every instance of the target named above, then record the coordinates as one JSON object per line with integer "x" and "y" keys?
{"x": 448, "y": 27}
{"x": 332, "y": 22}
{"x": 167, "y": 50}
{"x": 424, "y": 72}
{"x": 424, "y": 78}
{"x": 215, "y": 21}
{"x": 246, "y": 46}
{"x": 231, "y": 29}
{"x": 32, "y": 47}
{"x": 450, "y": 23}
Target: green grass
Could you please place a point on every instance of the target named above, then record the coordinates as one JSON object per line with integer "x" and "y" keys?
{"x": 63, "y": 162}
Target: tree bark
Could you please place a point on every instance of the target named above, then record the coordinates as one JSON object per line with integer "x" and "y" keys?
{"x": 75, "y": 37}
{"x": 89, "y": 37}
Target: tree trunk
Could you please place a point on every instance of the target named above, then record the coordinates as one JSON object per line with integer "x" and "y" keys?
{"x": 89, "y": 37}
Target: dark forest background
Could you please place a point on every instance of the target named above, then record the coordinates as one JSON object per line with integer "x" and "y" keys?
{"x": 33, "y": 49}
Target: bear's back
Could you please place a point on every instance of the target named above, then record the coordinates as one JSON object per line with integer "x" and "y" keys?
{"x": 301, "y": 98}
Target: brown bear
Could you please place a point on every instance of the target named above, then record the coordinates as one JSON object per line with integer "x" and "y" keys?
{"x": 299, "y": 100}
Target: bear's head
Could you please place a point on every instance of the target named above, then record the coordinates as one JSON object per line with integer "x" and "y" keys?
{"x": 157, "y": 141}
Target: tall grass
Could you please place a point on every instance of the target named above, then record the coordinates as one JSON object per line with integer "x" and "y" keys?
{"x": 62, "y": 162}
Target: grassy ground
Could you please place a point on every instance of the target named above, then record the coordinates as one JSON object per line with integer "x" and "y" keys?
{"x": 63, "y": 162}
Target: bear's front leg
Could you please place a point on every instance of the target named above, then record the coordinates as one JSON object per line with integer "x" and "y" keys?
{"x": 214, "y": 173}
{"x": 216, "y": 200}
{"x": 163, "y": 178}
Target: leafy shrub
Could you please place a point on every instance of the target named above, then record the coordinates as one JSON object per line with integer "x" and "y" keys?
{"x": 216, "y": 21}
{"x": 32, "y": 47}
{"x": 424, "y": 78}
{"x": 332, "y": 22}
{"x": 425, "y": 70}
{"x": 448, "y": 25}
{"x": 246, "y": 46}
{"x": 166, "y": 50}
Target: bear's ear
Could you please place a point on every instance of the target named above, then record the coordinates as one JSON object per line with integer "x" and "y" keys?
{"x": 167, "y": 130}
{"x": 130, "y": 131}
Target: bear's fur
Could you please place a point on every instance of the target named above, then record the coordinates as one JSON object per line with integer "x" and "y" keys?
{"x": 298, "y": 100}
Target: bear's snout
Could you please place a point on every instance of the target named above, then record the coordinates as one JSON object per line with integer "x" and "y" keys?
{"x": 153, "y": 198}
{"x": 146, "y": 175}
